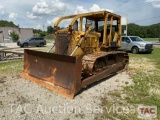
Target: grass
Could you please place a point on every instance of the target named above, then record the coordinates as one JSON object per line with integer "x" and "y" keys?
{"x": 51, "y": 40}
{"x": 43, "y": 49}
{"x": 151, "y": 39}
{"x": 146, "y": 88}
{"x": 115, "y": 93}
{"x": 154, "y": 57}
{"x": 10, "y": 68}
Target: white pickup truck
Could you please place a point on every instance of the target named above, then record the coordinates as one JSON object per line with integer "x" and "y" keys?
{"x": 135, "y": 44}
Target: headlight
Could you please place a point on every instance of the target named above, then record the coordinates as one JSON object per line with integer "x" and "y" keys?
{"x": 142, "y": 45}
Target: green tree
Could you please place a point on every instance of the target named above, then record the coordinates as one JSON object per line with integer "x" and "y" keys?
{"x": 4, "y": 23}
{"x": 50, "y": 30}
{"x": 14, "y": 36}
{"x": 42, "y": 34}
{"x": 151, "y": 31}
{"x": 36, "y": 31}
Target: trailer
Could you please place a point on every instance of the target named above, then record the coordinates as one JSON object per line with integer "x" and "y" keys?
{"x": 7, "y": 54}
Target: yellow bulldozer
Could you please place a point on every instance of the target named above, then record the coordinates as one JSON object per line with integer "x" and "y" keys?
{"x": 84, "y": 52}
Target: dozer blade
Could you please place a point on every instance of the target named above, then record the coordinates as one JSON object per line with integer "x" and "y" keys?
{"x": 59, "y": 73}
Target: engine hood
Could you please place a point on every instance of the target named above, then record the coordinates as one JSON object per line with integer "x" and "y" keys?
{"x": 143, "y": 42}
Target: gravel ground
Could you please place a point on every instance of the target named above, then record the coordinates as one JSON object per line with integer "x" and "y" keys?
{"x": 21, "y": 99}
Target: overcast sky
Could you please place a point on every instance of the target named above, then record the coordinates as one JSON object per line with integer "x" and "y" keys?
{"x": 35, "y": 13}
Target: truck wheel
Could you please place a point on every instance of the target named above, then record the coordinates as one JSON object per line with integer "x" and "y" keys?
{"x": 25, "y": 45}
{"x": 41, "y": 45}
{"x": 135, "y": 50}
{"x": 149, "y": 52}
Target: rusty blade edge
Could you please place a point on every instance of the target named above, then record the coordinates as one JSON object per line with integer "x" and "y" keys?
{"x": 64, "y": 92}
{"x": 69, "y": 59}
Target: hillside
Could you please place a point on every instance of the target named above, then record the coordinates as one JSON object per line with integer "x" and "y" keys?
{"x": 151, "y": 31}
{"x": 4, "y": 23}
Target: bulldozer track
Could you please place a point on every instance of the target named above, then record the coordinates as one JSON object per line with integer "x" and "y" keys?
{"x": 99, "y": 61}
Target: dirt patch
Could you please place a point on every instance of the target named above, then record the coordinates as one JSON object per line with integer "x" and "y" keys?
{"x": 2, "y": 79}
{"x": 142, "y": 64}
{"x": 157, "y": 46}
{"x": 22, "y": 99}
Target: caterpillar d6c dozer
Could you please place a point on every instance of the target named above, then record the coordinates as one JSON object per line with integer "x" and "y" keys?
{"x": 85, "y": 52}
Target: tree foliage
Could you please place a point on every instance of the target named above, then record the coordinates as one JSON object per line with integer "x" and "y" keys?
{"x": 50, "y": 29}
{"x": 42, "y": 34}
{"x": 14, "y": 36}
{"x": 37, "y": 31}
{"x": 4, "y": 23}
{"x": 151, "y": 31}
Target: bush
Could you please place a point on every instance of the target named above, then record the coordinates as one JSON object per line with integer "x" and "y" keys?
{"x": 43, "y": 34}
{"x": 14, "y": 36}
